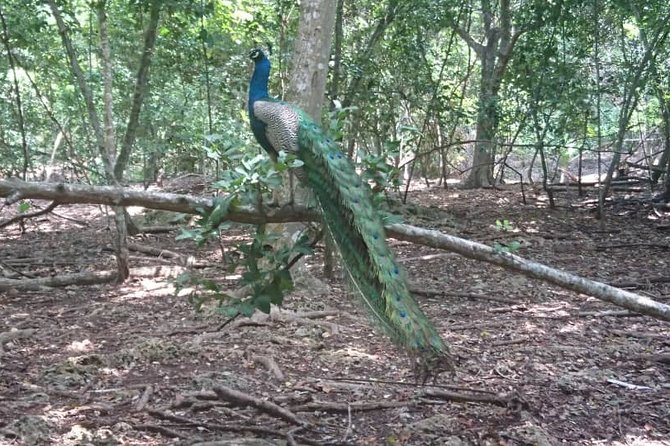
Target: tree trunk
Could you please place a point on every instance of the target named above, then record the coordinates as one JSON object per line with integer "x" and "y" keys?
{"x": 494, "y": 56}
{"x": 638, "y": 78}
{"x": 311, "y": 54}
{"x": 309, "y": 74}
{"x": 482, "y": 161}
{"x": 141, "y": 89}
{"x": 17, "y": 96}
{"x": 105, "y": 139}
{"x": 665, "y": 127}
{"x": 109, "y": 141}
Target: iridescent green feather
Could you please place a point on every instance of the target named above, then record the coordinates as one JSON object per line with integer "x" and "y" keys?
{"x": 346, "y": 202}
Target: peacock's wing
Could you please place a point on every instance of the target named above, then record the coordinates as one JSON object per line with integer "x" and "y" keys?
{"x": 281, "y": 124}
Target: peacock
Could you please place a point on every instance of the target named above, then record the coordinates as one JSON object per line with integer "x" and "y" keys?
{"x": 345, "y": 201}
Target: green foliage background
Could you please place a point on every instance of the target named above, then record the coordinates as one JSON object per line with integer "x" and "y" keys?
{"x": 406, "y": 87}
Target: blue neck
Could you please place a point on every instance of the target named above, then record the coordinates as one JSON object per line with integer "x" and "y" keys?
{"x": 258, "y": 87}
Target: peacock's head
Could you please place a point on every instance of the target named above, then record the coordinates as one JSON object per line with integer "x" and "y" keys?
{"x": 256, "y": 54}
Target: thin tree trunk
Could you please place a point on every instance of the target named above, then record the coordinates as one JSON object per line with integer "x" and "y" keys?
{"x": 140, "y": 91}
{"x": 84, "y": 89}
{"x": 380, "y": 29}
{"x": 337, "y": 51}
{"x": 17, "y": 96}
{"x": 104, "y": 138}
{"x": 121, "y": 240}
{"x": 309, "y": 74}
{"x": 631, "y": 97}
{"x": 494, "y": 56}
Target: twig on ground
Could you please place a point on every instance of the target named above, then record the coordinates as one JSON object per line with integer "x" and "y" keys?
{"x": 144, "y": 399}
{"x": 242, "y": 399}
{"x": 162, "y": 430}
{"x": 357, "y": 406}
{"x": 268, "y": 362}
{"x": 508, "y": 309}
{"x": 508, "y": 342}
{"x": 470, "y": 296}
{"x": 643, "y": 283}
{"x": 166, "y": 254}
{"x": 663, "y": 246}
{"x": 7, "y": 336}
{"x": 158, "y": 229}
{"x": 641, "y": 334}
{"x": 23, "y": 217}
{"x": 614, "y": 313}
{"x": 627, "y": 385}
{"x": 225, "y": 427}
{"x": 502, "y": 400}
{"x": 349, "y": 426}
{"x": 87, "y": 278}
{"x": 658, "y": 357}
{"x": 290, "y": 441}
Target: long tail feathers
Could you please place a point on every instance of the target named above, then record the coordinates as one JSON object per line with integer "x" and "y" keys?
{"x": 359, "y": 234}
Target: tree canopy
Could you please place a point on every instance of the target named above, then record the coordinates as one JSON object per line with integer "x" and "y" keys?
{"x": 438, "y": 88}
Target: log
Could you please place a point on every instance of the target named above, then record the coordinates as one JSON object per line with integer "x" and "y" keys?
{"x": 115, "y": 196}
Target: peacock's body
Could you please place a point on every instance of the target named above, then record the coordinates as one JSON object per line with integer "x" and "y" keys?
{"x": 352, "y": 220}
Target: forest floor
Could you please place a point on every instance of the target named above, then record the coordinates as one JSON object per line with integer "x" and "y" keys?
{"x": 537, "y": 365}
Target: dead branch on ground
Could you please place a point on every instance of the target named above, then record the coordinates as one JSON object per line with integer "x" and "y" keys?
{"x": 23, "y": 217}
{"x": 242, "y": 399}
{"x": 87, "y": 278}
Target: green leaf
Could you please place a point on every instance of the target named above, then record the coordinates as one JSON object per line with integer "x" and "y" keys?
{"x": 514, "y": 246}
{"x": 24, "y": 206}
{"x": 263, "y": 303}
{"x": 246, "y": 309}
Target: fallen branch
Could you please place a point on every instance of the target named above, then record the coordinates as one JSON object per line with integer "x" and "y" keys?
{"x": 608, "y": 313}
{"x": 469, "y": 296}
{"x": 477, "y": 251}
{"x": 144, "y": 399}
{"x": 628, "y": 386}
{"x": 663, "y": 246}
{"x": 501, "y": 400}
{"x": 163, "y": 253}
{"x": 158, "y": 229}
{"x": 87, "y": 278}
{"x": 508, "y": 309}
{"x": 356, "y": 406}
{"x": 16, "y": 190}
{"x": 223, "y": 427}
{"x": 171, "y": 433}
{"x": 641, "y": 335}
{"x": 22, "y": 217}
{"x": 115, "y": 196}
{"x": 269, "y": 363}
{"x": 242, "y": 399}
{"x": 642, "y": 283}
{"x": 659, "y": 357}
